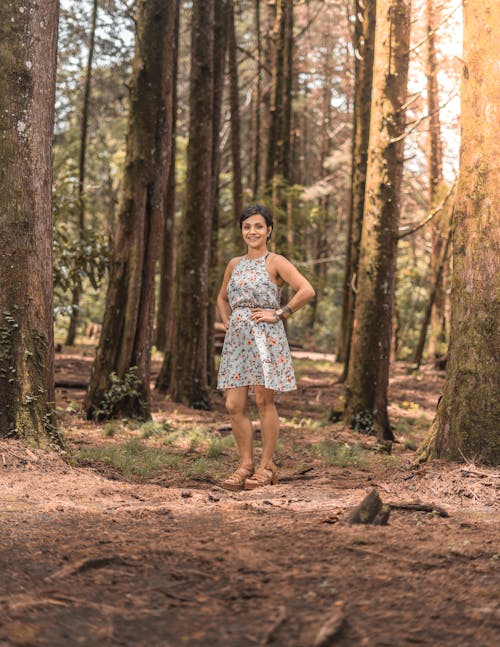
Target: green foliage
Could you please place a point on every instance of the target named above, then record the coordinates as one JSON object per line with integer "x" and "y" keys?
{"x": 341, "y": 454}
{"x": 122, "y": 391}
{"x": 133, "y": 458}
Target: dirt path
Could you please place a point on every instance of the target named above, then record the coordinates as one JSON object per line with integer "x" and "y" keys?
{"x": 90, "y": 558}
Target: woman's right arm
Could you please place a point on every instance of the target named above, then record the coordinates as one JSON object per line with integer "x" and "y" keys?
{"x": 222, "y": 299}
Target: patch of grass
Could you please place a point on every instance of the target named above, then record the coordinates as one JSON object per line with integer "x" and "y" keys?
{"x": 133, "y": 458}
{"x": 111, "y": 428}
{"x": 151, "y": 429}
{"x": 341, "y": 453}
{"x": 217, "y": 446}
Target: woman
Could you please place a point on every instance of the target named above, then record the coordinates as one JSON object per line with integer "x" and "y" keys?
{"x": 256, "y": 352}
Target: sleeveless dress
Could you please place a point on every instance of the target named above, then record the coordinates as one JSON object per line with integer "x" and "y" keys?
{"x": 254, "y": 353}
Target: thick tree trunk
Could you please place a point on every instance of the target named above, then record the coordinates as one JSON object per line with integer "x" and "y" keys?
{"x": 368, "y": 376}
{"x": 188, "y": 352}
{"x": 28, "y": 45}
{"x": 466, "y": 424}
{"x": 167, "y": 259}
{"x": 361, "y": 134}
{"x": 234, "y": 95}
{"x": 125, "y": 342}
{"x": 77, "y": 292}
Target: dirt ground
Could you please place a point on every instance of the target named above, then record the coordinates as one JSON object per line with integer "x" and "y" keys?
{"x": 93, "y": 554}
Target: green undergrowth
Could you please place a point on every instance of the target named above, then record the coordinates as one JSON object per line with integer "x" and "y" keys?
{"x": 154, "y": 447}
{"x": 343, "y": 454}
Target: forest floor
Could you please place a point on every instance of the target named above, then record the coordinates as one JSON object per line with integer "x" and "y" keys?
{"x": 127, "y": 539}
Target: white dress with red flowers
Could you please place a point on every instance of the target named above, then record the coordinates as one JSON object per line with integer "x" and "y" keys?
{"x": 254, "y": 353}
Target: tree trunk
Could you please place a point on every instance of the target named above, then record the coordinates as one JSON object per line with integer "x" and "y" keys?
{"x": 361, "y": 133}
{"x": 188, "y": 353}
{"x": 430, "y": 304}
{"x": 125, "y": 341}
{"x": 368, "y": 376}
{"x": 77, "y": 292}
{"x": 276, "y": 96}
{"x": 256, "y": 107}
{"x": 235, "y": 114}
{"x": 466, "y": 423}
{"x": 221, "y": 13}
{"x": 27, "y": 90}
{"x": 435, "y": 180}
{"x": 167, "y": 260}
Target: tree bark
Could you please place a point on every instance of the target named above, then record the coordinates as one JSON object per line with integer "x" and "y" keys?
{"x": 368, "y": 376}
{"x": 167, "y": 259}
{"x": 466, "y": 423}
{"x": 28, "y": 46}
{"x": 364, "y": 41}
{"x": 125, "y": 341}
{"x": 256, "y": 107}
{"x": 220, "y": 41}
{"x": 77, "y": 292}
{"x": 435, "y": 163}
{"x": 188, "y": 352}
{"x": 419, "y": 351}
{"x": 234, "y": 95}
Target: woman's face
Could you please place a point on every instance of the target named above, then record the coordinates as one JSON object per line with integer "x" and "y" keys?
{"x": 255, "y": 231}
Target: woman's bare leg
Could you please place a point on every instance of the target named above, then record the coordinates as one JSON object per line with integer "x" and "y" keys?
{"x": 269, "y": 423}
{"x": 237, "y": 407}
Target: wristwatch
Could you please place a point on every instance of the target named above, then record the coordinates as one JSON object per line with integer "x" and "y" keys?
{"x": 281, "y": 313}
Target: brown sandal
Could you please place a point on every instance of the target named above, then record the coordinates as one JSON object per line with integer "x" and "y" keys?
{"x": 262, "y": 477}
{"x": 236, "y": 480}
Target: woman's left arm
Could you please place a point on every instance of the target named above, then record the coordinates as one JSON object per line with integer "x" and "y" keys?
{"x": 304, "y": 291}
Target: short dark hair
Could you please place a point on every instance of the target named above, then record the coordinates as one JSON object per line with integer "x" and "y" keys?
{"x": 257, "y": 209}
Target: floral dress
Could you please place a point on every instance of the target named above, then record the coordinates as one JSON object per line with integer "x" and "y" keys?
{"x": 254, "y": 353}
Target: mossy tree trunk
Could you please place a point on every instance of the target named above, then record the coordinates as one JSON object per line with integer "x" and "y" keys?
{"x": 188, "y": 352}
{"x": 125, "y": 342}
{"x": 467, "y": 419}
{"x": 363, "y": 78}
{"x": 368, "y": 375}
{"x": 28, "y": 46}
{"x": 256, "y": 106}
{"x": 167, "y": 256}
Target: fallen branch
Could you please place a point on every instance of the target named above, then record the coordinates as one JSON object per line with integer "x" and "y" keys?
{"x": 419, "y": 507}
{"x": 85, "y": 564}
{"x": 269, "y": 637}
{"x": 331, "y": 627}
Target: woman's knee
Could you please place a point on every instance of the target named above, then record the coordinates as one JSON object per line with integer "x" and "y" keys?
{"x": 235, "y": 406}
{"x": 264, "y": 400}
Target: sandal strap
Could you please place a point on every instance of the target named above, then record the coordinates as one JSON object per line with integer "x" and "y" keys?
{"x": 239, "y": 475}
{"x": 263, "y": 475}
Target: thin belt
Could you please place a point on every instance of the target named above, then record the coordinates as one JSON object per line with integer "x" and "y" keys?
{"x": 253, "y": 306}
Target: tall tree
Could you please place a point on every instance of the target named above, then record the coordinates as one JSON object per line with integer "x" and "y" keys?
{"x": 364, "y": 36}
{"x": 256, "y": 106}
{"x": 368, "y": 376}
{"x": 435, "y": 164}
{"x": 125, "y": 342}
{"x": 221, "y": 28}
{"x": 235, "y": 112}
{"x": 466, "y": 423}
{"x": 77, "y": 292}
{"x": 28, "y": 46}
{"x": 188, "y": 351}
{"x": 167, "y": 260}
